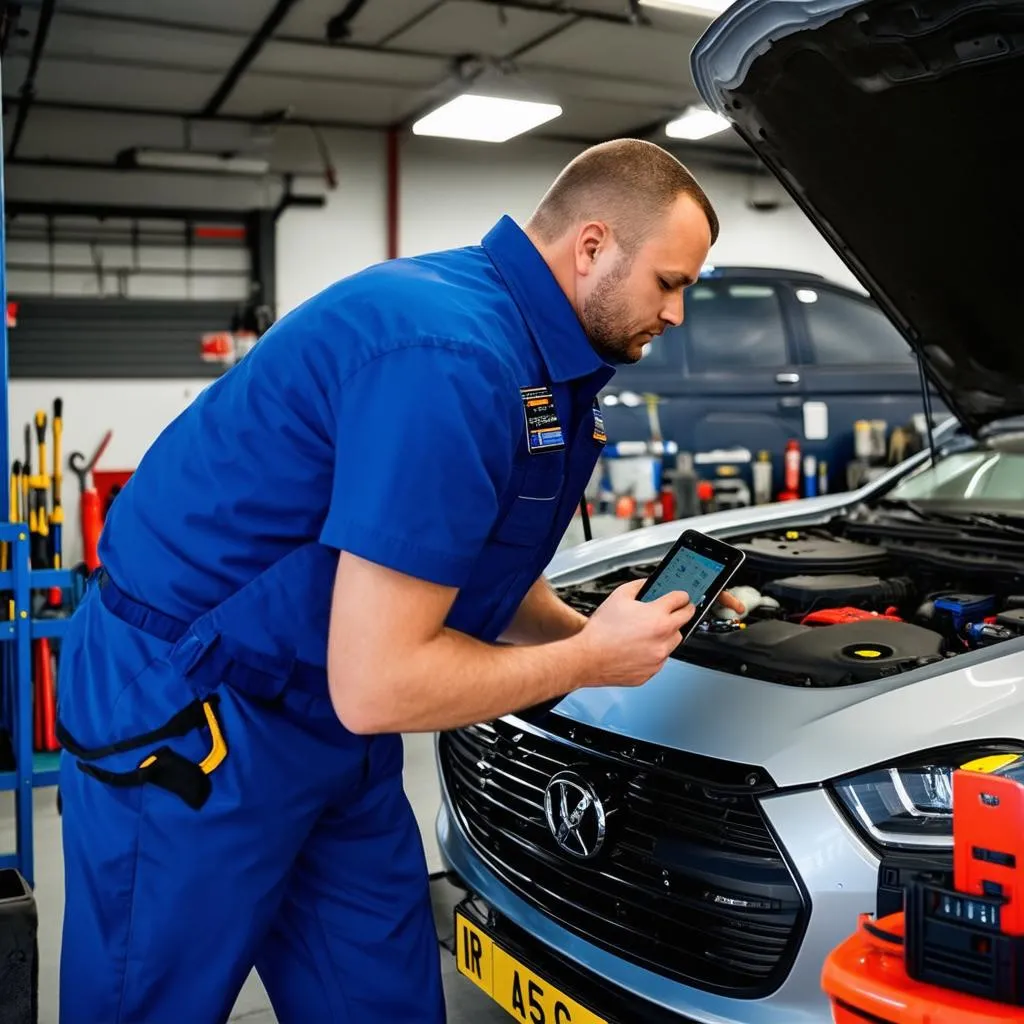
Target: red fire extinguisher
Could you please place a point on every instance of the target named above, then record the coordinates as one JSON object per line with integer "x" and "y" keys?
{"x": 792, "y": 463}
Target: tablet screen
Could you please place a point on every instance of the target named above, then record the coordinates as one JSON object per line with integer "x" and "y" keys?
{"x": 688, "y": 571}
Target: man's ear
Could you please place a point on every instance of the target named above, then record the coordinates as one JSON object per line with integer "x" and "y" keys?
{"x": 590, "y": 239}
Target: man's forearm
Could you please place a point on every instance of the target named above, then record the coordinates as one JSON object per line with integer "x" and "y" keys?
{"x": 543, "y": 617}
{"x": 455, "y": 680}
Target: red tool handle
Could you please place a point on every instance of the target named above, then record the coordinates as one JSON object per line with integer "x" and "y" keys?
{"x": 37, "y": 698}
{"x": 44, "y": 699}
{"x": 92, "y": 525}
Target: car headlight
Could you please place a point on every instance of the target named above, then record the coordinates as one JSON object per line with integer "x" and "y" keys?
{"x": 911, "y": 805}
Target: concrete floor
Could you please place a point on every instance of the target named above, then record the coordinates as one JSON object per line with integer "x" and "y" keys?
{"x": 466, "y": 1005}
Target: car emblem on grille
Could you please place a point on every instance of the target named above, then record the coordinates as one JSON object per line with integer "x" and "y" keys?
{"x": 575, "y": 815}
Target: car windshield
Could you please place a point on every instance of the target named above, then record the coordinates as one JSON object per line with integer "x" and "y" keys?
{"x": 983, "y": 477}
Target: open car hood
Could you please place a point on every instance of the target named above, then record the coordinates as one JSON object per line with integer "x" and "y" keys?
{"x": 890, "y": 123}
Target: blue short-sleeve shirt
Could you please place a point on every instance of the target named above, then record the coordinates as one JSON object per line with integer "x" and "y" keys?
{"x": 436, "y": 415}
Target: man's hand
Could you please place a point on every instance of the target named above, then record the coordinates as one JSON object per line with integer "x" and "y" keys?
{"x": 731, "y": 602}
{"x": 628, "y": 641}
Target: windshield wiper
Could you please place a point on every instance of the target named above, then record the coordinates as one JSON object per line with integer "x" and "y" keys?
{"x": 998, "y": 521}
{"x": 1002, "y": 521}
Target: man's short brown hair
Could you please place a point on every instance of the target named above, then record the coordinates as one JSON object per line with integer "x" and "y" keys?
{"x": 627, "y": 182}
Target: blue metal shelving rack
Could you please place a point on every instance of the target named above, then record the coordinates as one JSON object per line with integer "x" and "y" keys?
{"x": 19, "y": 581}
{"x": 32, "y": 770}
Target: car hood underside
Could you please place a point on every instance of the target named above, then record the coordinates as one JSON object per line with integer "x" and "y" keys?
{"x": 890, "y": 123}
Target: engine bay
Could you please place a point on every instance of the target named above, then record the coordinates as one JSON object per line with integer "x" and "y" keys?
{"x": 824, "y": 609}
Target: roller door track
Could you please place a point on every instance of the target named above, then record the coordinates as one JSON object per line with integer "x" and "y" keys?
{"x": 113, "y": 338}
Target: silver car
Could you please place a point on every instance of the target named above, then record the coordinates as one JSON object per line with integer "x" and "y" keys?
{"x": 692, "y": 849}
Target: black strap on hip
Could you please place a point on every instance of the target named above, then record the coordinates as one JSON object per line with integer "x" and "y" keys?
{"x": 164, "y": 767}
{"x": 185, "y": 721}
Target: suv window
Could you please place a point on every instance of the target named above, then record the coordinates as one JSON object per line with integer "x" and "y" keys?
{"x": 846, "y": 330}
{"x": 729, "y": 327}
{"x": 734, "y": 327}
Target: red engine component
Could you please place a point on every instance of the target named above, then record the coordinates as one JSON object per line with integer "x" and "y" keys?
{"x": 837, "y": 616}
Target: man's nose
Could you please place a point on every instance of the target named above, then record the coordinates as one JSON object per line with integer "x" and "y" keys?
{"x": 672, "y": 313}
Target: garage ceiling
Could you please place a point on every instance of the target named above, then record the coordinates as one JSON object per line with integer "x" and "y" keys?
{"x": 615, "y": 67}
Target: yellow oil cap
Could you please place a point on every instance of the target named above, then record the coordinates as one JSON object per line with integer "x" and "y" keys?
{"x": 990, "y": 764}
{"x": 867, "y": 652}
{"x": 792, "y": 535}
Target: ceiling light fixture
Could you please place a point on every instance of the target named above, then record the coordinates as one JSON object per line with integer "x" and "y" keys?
{"x": 186, "y": 160}
{"x": 696, "y": 123}
{"x": 485, "y": 118}
{"x": 711, "y": 8}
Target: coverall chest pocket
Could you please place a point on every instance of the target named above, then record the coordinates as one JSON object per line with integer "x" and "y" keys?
{"x": 537, "y": 495}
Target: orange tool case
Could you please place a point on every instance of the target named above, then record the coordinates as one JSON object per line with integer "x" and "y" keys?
{"x": 953, "y": 955}
{"x": 867, "y": 981}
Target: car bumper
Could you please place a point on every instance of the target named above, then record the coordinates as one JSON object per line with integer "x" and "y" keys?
{"x": 838, "y": 872}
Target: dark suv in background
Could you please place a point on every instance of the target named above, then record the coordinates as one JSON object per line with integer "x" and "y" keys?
{"x": 756, "y": 346}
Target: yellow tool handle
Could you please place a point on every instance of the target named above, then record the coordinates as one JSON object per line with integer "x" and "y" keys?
{"x": 58, "y": 433}
{"x": 40, "y": 486}
{"x": 41, "y": 439}
{"x": 12, "y": 512}
{"x": 15, "y": 510}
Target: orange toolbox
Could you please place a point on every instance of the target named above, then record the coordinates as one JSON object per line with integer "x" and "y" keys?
{"x": 953, "y": 955}
{"x": 867, "y": 981}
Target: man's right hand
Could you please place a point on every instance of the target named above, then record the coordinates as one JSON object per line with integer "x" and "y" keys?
{"x": 627, "y": 641}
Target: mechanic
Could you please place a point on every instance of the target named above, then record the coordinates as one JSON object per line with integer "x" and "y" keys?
{"x": 323, "y": 552}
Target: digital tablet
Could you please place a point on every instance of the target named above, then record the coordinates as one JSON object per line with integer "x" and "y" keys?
{"x": 699, "y": 565}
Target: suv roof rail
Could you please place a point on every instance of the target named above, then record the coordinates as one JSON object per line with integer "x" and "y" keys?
{"x": 713, "y": 270}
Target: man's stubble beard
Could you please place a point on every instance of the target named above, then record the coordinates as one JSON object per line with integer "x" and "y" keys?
{"x": 604, "y": 320}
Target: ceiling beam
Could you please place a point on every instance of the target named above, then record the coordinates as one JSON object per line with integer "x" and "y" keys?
{"x": 191, "y": 69}
{"x": 633, "y": 17}
{"x": 75, "y": 164}
{"x": 103, "y": 211}
{"x": 552, "y": 33}
{"x": 248, "y": 55}
{"x": 145, "y": 21}
{"x": 28, "y": 87}
{"x": 338, "y": 28}
{"x": 166, "y": 113}
{"x": 411, "y": 23}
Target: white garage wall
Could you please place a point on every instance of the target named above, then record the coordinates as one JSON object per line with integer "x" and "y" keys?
{"x": 316, "y": 247}
{"x": 453, "y": 192}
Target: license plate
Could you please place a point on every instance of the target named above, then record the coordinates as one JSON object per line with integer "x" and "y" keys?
{"x": 514, "y": 987}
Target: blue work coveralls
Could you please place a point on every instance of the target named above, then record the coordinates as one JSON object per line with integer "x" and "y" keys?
{"x": 436, "y": 415}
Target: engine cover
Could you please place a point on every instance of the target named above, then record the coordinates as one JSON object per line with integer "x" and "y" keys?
{"x": 785, "y": 652}
{"x": 808, "y": 593}
{"x": 795, "y": 552}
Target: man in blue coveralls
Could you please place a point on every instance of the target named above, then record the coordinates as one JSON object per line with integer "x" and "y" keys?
{"x": 320, "y": 554}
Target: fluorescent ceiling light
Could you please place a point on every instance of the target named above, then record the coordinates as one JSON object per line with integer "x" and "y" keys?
{"x": 708, "y": 7}
{"x": 185, "y": 160}
{"x": 696, "y": 123}
{"x": 485, "y": 118}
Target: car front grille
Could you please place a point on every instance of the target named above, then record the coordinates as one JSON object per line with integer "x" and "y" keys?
{"x": 690, "y": 882}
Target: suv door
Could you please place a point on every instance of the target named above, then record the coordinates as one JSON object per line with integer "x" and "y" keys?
{"x": 858, "y": 365}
